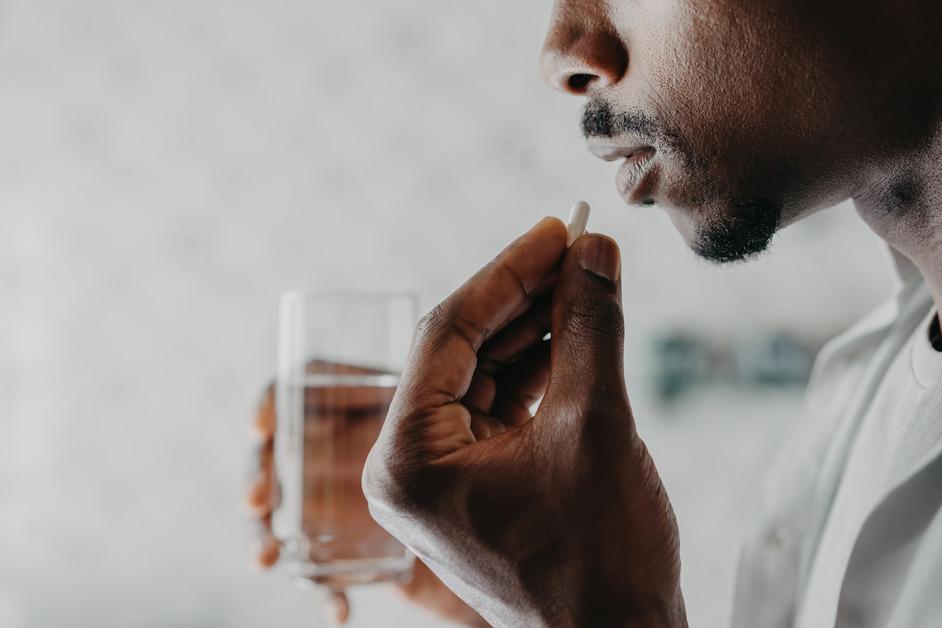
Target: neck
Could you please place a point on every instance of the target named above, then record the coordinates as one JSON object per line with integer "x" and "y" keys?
{"x": 901, "y": 200}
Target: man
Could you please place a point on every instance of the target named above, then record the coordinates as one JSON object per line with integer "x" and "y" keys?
{"x": 738, "y": 118}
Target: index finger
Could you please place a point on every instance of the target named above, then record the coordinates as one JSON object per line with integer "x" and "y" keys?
{"x": 445, "y": 351}
{"x": 264, "y": 421}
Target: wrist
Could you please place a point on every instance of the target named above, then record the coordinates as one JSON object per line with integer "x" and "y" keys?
{"x": 575, "y": 592}
{"x": 671, "y": 614}
{"x": 646, "y": 611}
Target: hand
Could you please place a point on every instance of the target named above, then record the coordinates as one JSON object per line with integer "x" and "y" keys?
{"x": 423, "y": 589}
{"x": 558, "y": 519}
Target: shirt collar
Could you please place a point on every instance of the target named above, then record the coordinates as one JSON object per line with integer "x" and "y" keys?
{"x": 903, "y": 268}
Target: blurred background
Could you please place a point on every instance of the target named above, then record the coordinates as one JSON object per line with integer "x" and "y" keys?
{"x": 168, "y": 168}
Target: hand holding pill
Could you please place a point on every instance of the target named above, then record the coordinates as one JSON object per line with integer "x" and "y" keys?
{"x": 483, "y": 490}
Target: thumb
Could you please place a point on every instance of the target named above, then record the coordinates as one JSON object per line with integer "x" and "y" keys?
{"x": 587, "y": 326}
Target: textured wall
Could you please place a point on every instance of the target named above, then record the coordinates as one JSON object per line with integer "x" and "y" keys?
{"x": 166, "y": 168}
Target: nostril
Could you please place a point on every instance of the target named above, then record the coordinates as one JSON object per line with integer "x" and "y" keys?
{"x": 579, "y": 58}
{"x": 579, "y": 82}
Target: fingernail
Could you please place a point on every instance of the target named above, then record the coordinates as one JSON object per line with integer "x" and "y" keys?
{"x": 599, "y": 255}
{"x": 543, "y": 221}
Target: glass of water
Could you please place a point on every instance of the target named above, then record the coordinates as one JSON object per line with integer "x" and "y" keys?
{"x": 339, "y": 359}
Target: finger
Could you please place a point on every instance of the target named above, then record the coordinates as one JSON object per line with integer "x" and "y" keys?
{"x": 545, "y": 285}
{"x": 448, "y": 339}
{"x": 264, "y": 422}
{"x": 588, "y": 325}
{"x": 482, "y": 389}
{"x": 338, "y": 606}
{"x": 503, "y": 398}
{"x": 522, "y": 384}
{"x": 517, "y": 337}
{"x": 484, "y": 425}
{"x": 503, "y": 349}
{"x": 258, "y": 496}
{"x": 266, "y": 550}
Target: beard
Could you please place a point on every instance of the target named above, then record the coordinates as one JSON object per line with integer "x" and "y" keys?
{"x": 744, "y": 228}
{"x": 742, "y": 232}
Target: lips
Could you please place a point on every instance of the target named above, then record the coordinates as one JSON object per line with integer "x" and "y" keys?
{"x": 636, "y": 179}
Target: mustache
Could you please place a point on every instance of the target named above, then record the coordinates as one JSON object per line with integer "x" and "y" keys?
{"x": 600, "y": 120}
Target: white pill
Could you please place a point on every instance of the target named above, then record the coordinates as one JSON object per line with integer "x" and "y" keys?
{"x": 578, "y": 219}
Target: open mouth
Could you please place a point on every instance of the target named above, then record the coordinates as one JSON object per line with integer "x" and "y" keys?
{"x": 632, "y": 171}
{"x": 638, "y": 177}
{"x": 634, "y": 180}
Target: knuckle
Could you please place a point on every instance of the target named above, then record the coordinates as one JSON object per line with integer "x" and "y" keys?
{"x": 432, "y": 324}
{"x": 373, "y": 480}
{"x": 446, "y": 320}
{"x": 468, "y": 330}
{"x": 379, "y": 487}
{"x": 513, "y": 276}
{"x": 595, "y": 316}
{"x": 401, "y": 481}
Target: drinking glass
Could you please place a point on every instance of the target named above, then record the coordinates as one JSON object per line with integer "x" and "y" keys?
{"x": 339, "y": 359}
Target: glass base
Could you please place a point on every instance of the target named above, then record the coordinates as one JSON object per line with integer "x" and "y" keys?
{"x": 351, "y": 572}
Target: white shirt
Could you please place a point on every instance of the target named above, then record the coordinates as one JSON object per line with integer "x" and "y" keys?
{"x": 850, "y": 533}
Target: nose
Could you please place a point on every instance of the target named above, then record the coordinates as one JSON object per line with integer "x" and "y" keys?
{"x": 582, "y": 51}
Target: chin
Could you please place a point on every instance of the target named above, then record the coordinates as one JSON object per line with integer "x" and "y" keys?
{"x": 736, "y": 232}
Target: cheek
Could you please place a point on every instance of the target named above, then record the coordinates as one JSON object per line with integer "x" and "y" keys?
{"x": 733, "y": 78}
{"x": 710, "y": 90}
{"x": 748, "y": 98}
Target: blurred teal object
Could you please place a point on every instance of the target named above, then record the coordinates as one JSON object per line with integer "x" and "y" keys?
{"x": 681, "y": 361}
{"x": 773, "y": 360}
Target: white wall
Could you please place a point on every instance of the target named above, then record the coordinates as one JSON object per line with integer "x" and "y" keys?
{"x": 166, "y": 168}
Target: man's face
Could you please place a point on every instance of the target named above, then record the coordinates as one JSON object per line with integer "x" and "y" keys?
{"x": 741, "y": 116}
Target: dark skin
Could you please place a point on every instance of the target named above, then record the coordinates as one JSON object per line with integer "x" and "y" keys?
{"x": 533, "y": 288}
{"x": 519, "y": 514}
{"x": 787, "y": 101}
{"x": 757, "y": 114}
